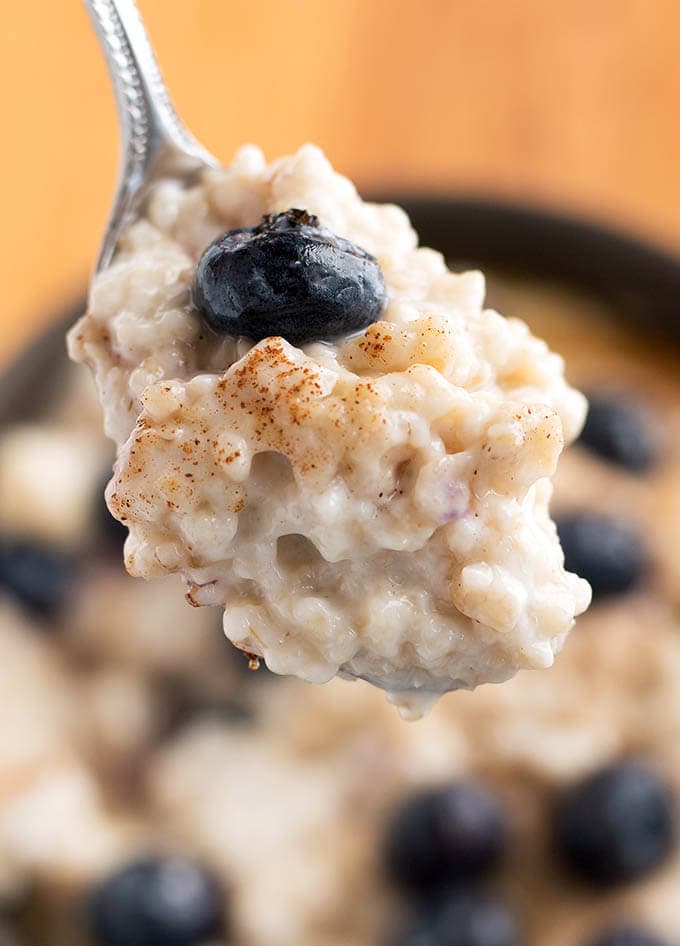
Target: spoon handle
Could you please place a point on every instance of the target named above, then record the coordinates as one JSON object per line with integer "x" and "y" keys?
{"x": 155, "y": 142}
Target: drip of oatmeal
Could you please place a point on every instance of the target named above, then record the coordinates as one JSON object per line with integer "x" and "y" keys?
{"x": 373, "y": 504}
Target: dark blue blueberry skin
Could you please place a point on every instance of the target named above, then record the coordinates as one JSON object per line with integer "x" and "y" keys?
{"x": 157, "y": 902}
{"x": 38, "y": 577}
{"x": 620, "y": 430}
{"x": 607, "y": 553}
{"x": 627, "y": 936}
{"x": 449, "y": 833}
{"x": 464, "y": 917}
{"x": 616, "y": 825}
{"x": 290, "y": 277}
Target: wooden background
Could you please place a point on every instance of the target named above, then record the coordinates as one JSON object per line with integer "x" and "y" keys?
{"x": 573, "y": 103}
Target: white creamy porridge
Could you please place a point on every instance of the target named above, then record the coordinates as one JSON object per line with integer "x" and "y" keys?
{"x": 129, "y": 728}
{"x": 374, "y": 507}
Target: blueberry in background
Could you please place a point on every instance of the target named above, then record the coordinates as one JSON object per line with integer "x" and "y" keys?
{"x": 608, "y": 553}
{"x": 616, "y": 825}
{"x": 626, "y": 936}
{"x": 452, "y": 832}
{"x": 622, "y": 431}
{"x": 288, "y": 276}
{"x": 157, "y": 902}
{"x": 36, "y": 576}
{"x": 463, "y": 917}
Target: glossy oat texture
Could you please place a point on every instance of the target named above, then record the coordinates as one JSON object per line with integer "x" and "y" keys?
{"x": 376, "y": 506}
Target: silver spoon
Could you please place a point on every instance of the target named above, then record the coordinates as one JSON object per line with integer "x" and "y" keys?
{"x": 155, "y": 143}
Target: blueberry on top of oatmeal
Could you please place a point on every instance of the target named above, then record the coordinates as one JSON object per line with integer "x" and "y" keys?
{"x": 38, "y": 577}
{"x": 454, "y": 832}
{"x": 617, "y": 824}
{"x": 464, "y": 917}
{"x": 627, "y": 936}
{"x": 620, "y": 430}
{"x": 288, "y": 276}
{"x": 157, "y": 902}
{"x": 608, "y": 553}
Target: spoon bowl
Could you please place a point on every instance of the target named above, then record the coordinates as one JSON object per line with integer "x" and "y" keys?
{"x": 156, "y": 145}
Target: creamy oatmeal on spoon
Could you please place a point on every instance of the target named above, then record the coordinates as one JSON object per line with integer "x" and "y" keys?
{"x": 321, "y": 427}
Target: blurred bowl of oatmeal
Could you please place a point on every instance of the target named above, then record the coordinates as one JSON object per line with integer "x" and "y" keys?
{"x": 153, "y": 789}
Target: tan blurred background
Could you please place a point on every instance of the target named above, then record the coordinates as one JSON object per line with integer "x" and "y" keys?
{"x": 570, "y": 102}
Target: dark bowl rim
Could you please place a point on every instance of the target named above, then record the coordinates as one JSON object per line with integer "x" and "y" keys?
{"x": 546, "y": 241}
